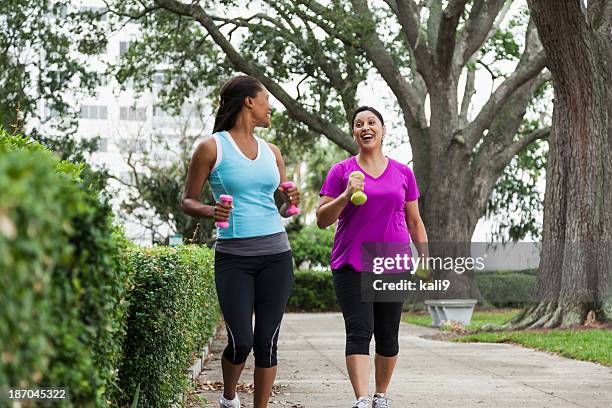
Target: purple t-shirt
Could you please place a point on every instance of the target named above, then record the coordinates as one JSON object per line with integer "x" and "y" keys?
{"x": 381, "y": 219}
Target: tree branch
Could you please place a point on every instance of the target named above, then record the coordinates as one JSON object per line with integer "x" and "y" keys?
{"x": 486, "y": 66}
{"x": 445, "y": 44}
{"x": 408, "y": 17}
{"x": 130, "y": 17}
{"x": 531, "y": 64}
{"x": 468, "y": 93}
{"x": 599, "y": 15}
{"x": 294, "y": 108}
{"x": 346, "y": 88}
{"x": 477, "y": 29}
{"x": 525, "y": 141}
{"x": 499, "y": 146}
{"x": 321, "y": 11}
{"x": 405, "y": 93}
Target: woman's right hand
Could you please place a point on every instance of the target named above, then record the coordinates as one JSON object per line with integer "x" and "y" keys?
{"x": 355, "y": 184}
{"x": 222, "y": 211}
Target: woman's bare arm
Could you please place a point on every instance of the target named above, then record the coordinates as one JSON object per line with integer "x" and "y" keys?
{"x": 281, "y": 196}
{"x": 203, "y": 158}
{"x": 330, "y": 208}
{"x": 416, "y": 227}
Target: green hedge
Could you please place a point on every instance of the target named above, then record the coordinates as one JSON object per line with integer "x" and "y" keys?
{"x": 506, "y": 288}
{"x": 312, "y": 245}
{"x": 67, "y": 277}
{"x": 62, "y": 279}
{"x": 173, "y": 311}
{"x": 313, "y": 292}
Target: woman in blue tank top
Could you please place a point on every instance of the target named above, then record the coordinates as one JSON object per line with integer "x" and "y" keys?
{"x": 253, "y": 263}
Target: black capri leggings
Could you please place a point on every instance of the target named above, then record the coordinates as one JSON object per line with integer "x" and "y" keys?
{"x": 247, "y": 284}
{"x": 362, "y": 319}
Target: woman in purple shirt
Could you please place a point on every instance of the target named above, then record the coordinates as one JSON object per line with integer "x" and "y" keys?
{"x": 390, "y": 215}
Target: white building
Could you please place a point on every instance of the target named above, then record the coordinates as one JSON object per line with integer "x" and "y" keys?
{"x": 127, "y": 122}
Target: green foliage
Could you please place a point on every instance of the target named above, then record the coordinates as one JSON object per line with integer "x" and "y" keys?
{"x": 41, "y": 42}
{"x": 506, "y": 288}
{"x": 191, "y": 65}
{"x": 287, "y": 51}
{"x": 62, "y": 279}
{"x": 67, "y": 276}
{"x": 173, "y": 311}
{"x": 515, "y": 199}
{"x": 156, "y": 193}
{"x": 313, "y": 292}
{"x": 503, "y": 45}
{"x": 312, "y": 245}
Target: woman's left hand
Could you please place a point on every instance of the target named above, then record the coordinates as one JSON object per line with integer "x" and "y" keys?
{"x": 292, "y": 195}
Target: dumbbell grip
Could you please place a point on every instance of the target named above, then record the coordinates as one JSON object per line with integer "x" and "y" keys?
{"x": 292, "y": 209}
{"x": 226, "y": 199}
{"x": 355, "y": 196}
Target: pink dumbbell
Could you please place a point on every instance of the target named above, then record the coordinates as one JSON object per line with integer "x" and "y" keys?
{"x": 292, "y": 210}
{"x": 226, "y": 199}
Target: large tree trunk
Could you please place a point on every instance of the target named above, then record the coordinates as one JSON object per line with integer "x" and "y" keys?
{"x": 450, "y": 222}
{"x": 447, "y": 204}
{"x": 575, "y": 264}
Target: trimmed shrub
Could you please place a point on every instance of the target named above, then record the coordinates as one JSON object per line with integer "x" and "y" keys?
{"x": 313, "y": 292}
{"x": 312, "y": 245}
{"x": 62, "y": 278}
{"x": 67, "y": 278}
{"x": 173, "y": 311}
{"x": 506, "y": 288}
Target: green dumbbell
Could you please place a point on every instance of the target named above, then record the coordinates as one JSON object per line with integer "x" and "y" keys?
{"x": 358, "y": 197}
{"x": 424, "y": 274}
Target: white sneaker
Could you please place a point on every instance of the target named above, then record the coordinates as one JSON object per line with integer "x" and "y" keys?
{"x": 363, "y": 402}
{"x": 225, "y": 403}
{"x": 380, "y": 401}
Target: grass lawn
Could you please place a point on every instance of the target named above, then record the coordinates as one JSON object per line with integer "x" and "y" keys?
{"x": 582, "y": 344}
{"x": 479, "y": 318}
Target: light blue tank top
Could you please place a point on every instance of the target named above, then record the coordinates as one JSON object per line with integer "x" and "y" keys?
{"x": 252, "y": 183}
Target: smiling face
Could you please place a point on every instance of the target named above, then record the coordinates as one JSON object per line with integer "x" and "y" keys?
{"x": 260, "y": 108}
{"x": 368, "y": 131}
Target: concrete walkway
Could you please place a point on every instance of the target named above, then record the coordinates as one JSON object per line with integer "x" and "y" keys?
{"x": 429, "y": 373}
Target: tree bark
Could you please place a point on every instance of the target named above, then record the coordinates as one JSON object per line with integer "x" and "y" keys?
{"x": 574, "y": 271}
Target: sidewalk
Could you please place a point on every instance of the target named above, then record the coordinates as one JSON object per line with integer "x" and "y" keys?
{"x": 429, "y": 373}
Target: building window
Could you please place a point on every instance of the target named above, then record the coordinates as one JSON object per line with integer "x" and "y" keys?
{"x": 94, "y": 112}
{"x": 126, "y": 177}
{"x": 131, "y": 113}
{"x": 97, "y": 12}
{"x": 158, "y": 79}
{"x": 102, "y": 80}
{"x": 123, "y": 47}
{"x": 159, "y": 112}
{"x": 52, "y": 113}
{"x": 103, "y": 145}
{"x": 141, "y": 145}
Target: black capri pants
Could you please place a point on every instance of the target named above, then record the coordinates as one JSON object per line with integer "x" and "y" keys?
{"x": 362, "y": 319}
{"x": 253, "y": 284}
